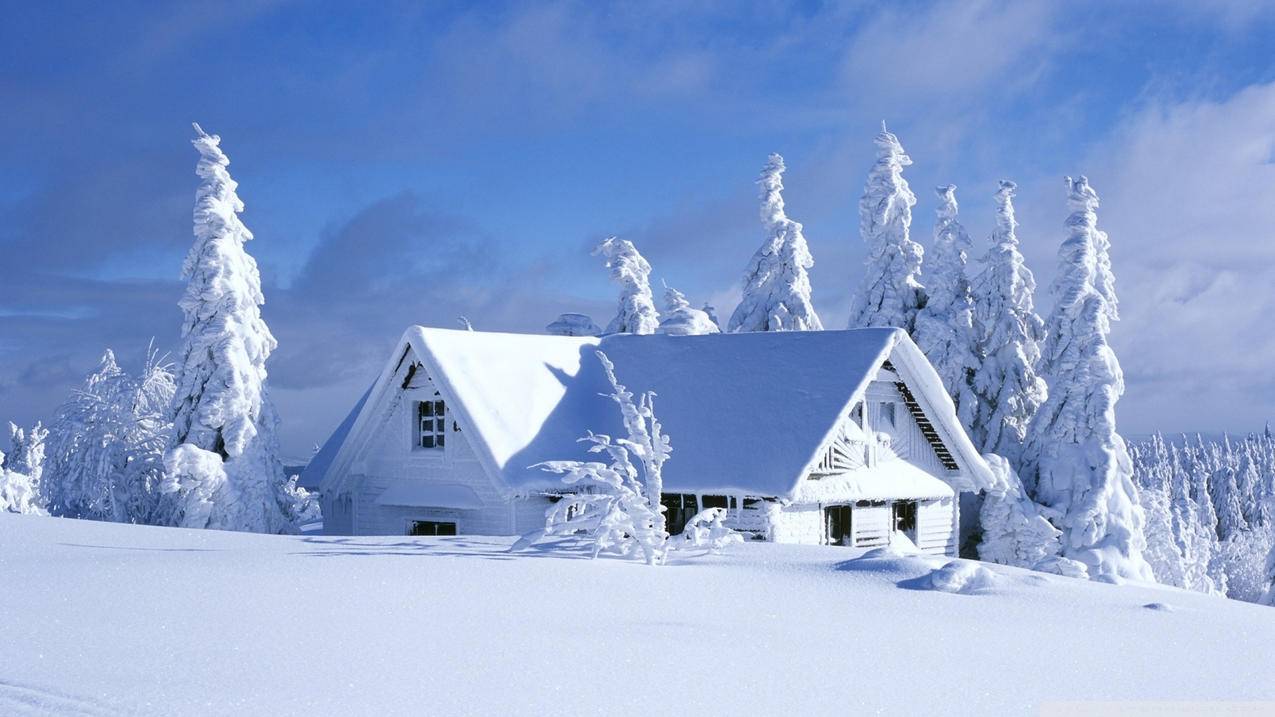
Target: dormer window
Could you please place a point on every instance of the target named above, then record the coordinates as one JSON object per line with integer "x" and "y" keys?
{"x": 431, "y": 424}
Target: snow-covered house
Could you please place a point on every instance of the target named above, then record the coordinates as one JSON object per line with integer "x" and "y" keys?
{"x": 837, "y": 437}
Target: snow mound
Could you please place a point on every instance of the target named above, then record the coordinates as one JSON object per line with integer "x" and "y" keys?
{"x": 963, "y": 577}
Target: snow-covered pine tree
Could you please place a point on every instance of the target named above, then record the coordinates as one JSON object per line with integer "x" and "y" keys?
{"x": 682, "y": 319}
{"x": 1196, "y": 540}
{"x": 1152, "y": 475}
{"x": 776, "y": 293}
{"x": 1007, "y": 383}
{"x": 1269, "y": 597}
{"x": 26, "y": 450}
{"x": 224, "y": 468}
{"x": 106, "y": 445}
{"x": 891, "y": 293}
{"x": 616, "y": 506}
{"x": 20, "y": 471}
{"x": 945, "y": 327}
{"x": 1082, "y": 467}
{"x": 1227, "y": 499}
{"x": 636, "y": 313}
{"x": 1014, "y": 531}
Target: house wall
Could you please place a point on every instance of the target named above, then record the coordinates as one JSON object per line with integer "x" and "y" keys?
{"x": 389, "y": 454}
{"x": 936, "y": 527}
{"x": 794, "y": 523}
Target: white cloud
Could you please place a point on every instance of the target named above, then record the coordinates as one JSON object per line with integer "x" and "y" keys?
{"x": 1188, "y": 197}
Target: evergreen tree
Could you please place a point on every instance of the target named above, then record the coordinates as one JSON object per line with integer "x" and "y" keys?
{"x": 636, "y": 313}
{"x": 224, "y": 469}
{"x": 1082, "y": 467}
{"x": 1006, "y": 381}
{"x": 777, "y": 286}
{"x": 20, "y": 471}
{"x": 681, "y": 319}
{"x": 1227, "y": 499}
{"x": 891, "y": 293}
{"x": 945, "y": 327}
{"x": 106, "y": 446}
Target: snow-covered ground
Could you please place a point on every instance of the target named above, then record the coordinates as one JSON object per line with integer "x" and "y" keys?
{"x": 99, "y": 618}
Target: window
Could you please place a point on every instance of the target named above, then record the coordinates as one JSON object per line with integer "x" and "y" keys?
{"x": 431, "y": 527}
{"x": 431, "y": 424}
{"x": 718, "y": 501}
{"x": 905, "y": 517}
{"x": 856, "y": 414}
{"x": 887, "y": 415}
{"x": 680, "y": 507}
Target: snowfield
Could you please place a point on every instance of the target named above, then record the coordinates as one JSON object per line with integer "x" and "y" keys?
{"x": 102, "y": 618}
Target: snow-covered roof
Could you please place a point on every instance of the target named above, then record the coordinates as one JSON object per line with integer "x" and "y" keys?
{"x": 745, "y": 412}
{"x": 885, "y": 481}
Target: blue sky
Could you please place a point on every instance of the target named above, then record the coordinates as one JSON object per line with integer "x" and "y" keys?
{"x": 411, "y": 162}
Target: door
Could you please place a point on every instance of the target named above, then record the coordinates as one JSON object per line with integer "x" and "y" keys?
{"x": 839, "y": 525}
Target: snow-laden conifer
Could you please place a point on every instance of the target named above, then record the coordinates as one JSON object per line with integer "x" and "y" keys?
{"x": 636, "y": 313}
{"x": 1082, "y": 467}
{"x": 20, "y": 471}
{"x": 776, "y": 295}
{"x": 1014, "y": 531}
{"x": 106, "y": 446}
{"x": 616, "y": 505}
{"x": 1269, "y": 597}
{"x": 890, "y": 293}
{"x": 222, "y": 410}
{"x": 1006, "y": 381}
{"x": 682, "y": 319}
{"x": 945, "y": 327}
{"x": 1164, "y": 551}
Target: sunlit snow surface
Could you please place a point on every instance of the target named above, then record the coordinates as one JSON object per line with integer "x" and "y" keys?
{"x": 100, "y": 618}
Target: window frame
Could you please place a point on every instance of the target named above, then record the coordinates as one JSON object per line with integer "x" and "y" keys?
{"x": 438, "y": 418}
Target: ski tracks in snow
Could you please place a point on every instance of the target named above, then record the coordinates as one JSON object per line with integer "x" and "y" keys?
{"x": 23, "y": 699}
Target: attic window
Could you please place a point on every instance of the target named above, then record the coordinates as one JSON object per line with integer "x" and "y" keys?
{"x": 431, "y": 424}
{"x": 887, "y": 414}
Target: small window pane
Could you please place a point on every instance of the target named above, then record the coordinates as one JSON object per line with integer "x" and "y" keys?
{"x": 427, "y": 408}
{"x": 438, "y": 408}
{"x": 427, "y": 440}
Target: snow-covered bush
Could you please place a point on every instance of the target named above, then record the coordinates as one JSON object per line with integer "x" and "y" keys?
{"x": 945, "y": 327}
{"x": 20, "y": 471}
{"x": 221, "y": 404}
{"x": 1269, "y": 597}
{"x": 890, "y": 293}
{"x": 682, "y": 319}
{"x": 707, "y": 530}
{"x": 106, "y": 445}
{"x": 573, "y": 325}
{"x": 636, "y": 313}
{"x": 776, "y": 295}
{"x": 1006, "y": 381}
{"x": 1080, "y": 466}
{"x": 1244, "y": 559}
{"x": 616, "y": 505}
{"x": 1014, "y": 531}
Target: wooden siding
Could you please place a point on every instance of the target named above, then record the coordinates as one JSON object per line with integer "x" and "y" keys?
{"x": 935, "y": 527}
